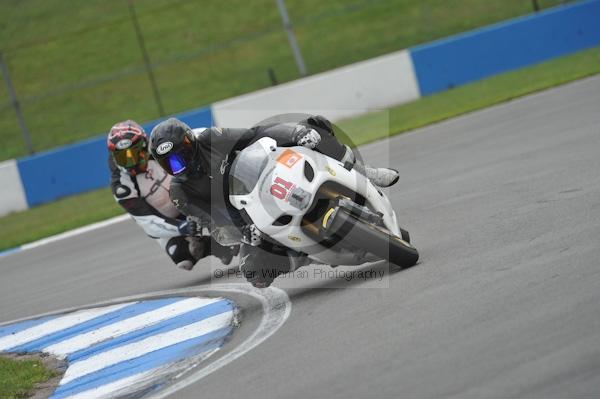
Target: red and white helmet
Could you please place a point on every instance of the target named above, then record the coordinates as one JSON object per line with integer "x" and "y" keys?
{"x": 128, "y": 143}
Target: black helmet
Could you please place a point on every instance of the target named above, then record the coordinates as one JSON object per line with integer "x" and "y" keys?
{"x": 172, "y": 145}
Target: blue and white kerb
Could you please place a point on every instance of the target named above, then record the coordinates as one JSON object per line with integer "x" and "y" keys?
{"x": 128, "y": 348}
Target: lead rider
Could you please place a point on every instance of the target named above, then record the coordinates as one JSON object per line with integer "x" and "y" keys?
{"x": 200, "y": 162}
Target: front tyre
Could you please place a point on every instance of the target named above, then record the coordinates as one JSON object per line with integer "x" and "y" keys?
{"x": 375, "y": 240}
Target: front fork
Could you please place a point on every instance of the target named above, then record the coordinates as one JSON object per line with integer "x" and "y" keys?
{"x": 324, "y": 226}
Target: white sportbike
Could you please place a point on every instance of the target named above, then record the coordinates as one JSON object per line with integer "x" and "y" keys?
{"x": 316, "y": 207}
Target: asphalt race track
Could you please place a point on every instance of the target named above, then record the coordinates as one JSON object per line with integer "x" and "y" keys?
{"x": 504, "y": 206}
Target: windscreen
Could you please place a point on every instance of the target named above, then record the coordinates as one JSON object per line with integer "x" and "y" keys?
{"x": 246, "y": 169}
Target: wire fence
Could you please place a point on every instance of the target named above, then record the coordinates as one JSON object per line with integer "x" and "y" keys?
{"x": 76, "y": 68}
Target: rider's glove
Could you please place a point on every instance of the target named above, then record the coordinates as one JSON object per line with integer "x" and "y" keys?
{"x": 191, "y": 227}
{"x": 306, "y": 137}
{"x": 319, "y": 122}
{"x": 251, "y": 235}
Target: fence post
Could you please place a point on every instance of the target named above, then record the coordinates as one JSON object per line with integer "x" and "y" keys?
{"x": 287, "y": 24}
{"x": 272, "y": 76}
{"x": 142, "y": 45}
{"x": 15, "y": 103}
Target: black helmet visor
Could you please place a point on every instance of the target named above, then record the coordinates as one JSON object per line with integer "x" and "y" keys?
{"x": 177, "y": 162}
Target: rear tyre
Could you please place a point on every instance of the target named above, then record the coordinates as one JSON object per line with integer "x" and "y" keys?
{"x": 375, "y": 240}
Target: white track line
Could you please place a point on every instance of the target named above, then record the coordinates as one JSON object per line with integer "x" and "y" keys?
{"x": 125, "y": 326}
{"x": 66, "y": 234}
{"x": 54, "y": 325}
{"x": 74, "y": 232}
{"x": 150, "y": 344}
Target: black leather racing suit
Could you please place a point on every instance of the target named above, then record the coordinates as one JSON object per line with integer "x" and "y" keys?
{"x": 203, "y": 190}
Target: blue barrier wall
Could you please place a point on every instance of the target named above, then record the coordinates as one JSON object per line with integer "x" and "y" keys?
{"x": 64, "y": 171}
{"x": 200, "y": 117}
{"x": 82, "y": 166}
{"x": 464, "y": 58}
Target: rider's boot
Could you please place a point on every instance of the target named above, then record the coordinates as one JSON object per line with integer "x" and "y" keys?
{"x": 224, "y": 253}
{"x": 382, "y": 177}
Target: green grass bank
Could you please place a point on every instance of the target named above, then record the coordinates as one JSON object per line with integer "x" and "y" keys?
{"x": 77, "y": 66}
{"x": 18, "y": 378}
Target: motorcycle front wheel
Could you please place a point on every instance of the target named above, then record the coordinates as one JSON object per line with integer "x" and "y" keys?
{"x": 375, "y": 239}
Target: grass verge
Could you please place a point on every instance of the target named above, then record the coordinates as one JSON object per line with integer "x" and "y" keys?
{"x": 77, "y": 66}
{"x": 68, "y": 213}
{"x": 53, "y": 218}
{"x": 19, "y": 377}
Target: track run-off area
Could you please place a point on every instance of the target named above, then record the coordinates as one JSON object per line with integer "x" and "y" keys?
{"x": 504, "y": 207}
